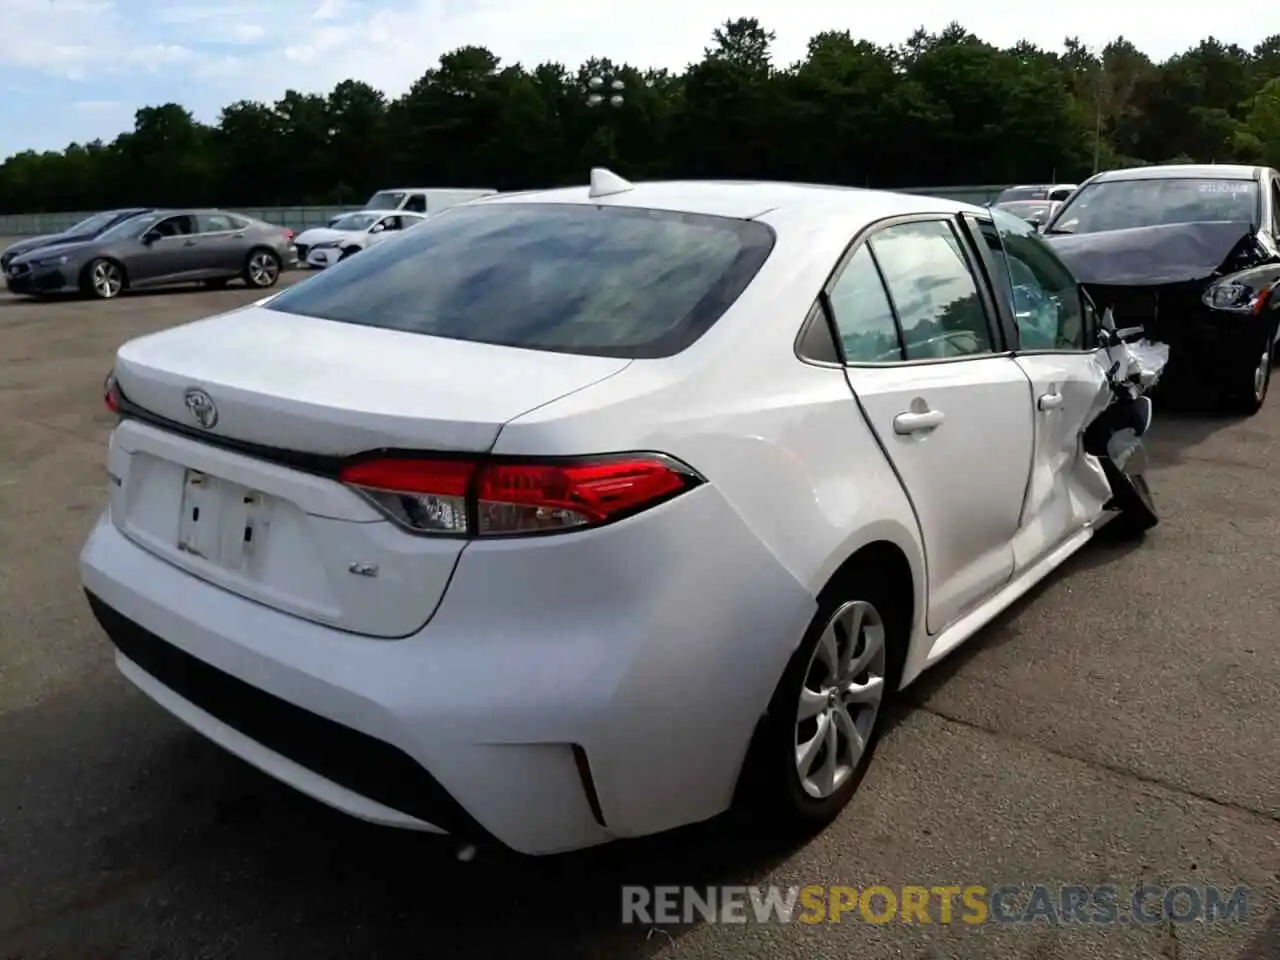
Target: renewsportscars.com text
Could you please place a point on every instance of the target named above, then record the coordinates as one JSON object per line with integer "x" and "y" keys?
{"x": 969, "y": 904}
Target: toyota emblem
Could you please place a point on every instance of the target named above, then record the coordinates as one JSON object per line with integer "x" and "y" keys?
{"x": 202, "y": 408}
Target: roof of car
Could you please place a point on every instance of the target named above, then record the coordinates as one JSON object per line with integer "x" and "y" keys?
{"x": 1174, "y": 171}
{"x": 747, "y": 200}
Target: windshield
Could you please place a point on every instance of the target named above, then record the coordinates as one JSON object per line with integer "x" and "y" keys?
{"x": 1023, "y": 193}
{"x": 91, "y": 225}
{"x": 1125, "y": 204}
{"x": 355, "y": 221}
{"x": 386, "y": 200}
{"x": 615, "y": 282}
{"x": 130, "y": 228}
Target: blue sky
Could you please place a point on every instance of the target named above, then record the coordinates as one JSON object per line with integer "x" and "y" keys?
{"x": 77, "y": 69}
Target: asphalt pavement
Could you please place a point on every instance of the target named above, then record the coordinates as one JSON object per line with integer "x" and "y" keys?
{"x": 1117, "y": 727}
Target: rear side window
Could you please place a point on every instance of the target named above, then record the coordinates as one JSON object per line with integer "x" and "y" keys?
{"x": 563, "y": 277}
{"x": 868, "y": 332}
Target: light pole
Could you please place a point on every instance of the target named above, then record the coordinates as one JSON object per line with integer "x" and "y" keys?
{"x": 595, "y": 96}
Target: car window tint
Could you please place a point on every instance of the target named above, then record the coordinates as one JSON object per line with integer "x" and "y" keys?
{"x": 1044, "y": 296}
{"x": 609, "y": 281}
{"x": 214, "y": 222}
{"x": 933, "y": 290}
{"x": 1275, "y": 208}
{"x": 417, "y": 202}
{"x": 1002, "y": 286}
{"x": 175, "y": 226}
{"x": 863, "y": 316}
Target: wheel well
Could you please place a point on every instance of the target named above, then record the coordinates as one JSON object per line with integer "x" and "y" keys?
{"x": 260, "y": 248}
{"x": 124, "y": 272}
{"x": 887, "y": 558}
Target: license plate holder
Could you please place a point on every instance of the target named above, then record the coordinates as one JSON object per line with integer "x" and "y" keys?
{"x": 221, "y": 522}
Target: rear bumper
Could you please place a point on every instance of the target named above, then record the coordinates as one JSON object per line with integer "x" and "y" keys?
{"x": 552, "y": 703}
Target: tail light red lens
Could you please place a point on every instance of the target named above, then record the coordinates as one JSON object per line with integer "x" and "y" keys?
{"x": 111, "y": 393}
{"x": 288, "y": 234}
{"x": 514, "y": 497}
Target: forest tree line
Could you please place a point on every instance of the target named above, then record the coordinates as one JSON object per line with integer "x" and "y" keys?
{"x": 938, "y": 110}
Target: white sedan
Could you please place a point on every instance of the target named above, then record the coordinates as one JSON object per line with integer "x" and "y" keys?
{"x": 349, "y": 234}
{"x": 576, "y": 515}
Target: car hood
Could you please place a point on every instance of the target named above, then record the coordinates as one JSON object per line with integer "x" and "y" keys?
{"x": 1150, "y": 256}
{"x": 321, "y": 234}
{"x": 55, "y": 250}
{"x": 27, "y": 244}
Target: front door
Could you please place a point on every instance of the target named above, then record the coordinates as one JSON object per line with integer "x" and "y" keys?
{"x": 1068, "y": 377}
{"x": 172, "y": 255}
{"x": 952, "y": 414}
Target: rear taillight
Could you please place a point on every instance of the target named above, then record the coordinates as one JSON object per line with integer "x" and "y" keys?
{"x": 288, "y": 235}
{"x": 111, "y": 393}
{"x": 512, "y": 497}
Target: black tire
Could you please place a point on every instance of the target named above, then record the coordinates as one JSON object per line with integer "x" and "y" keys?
{"x": 1131, "y": 495}
{"x": 1246, "y": 393}
{"x": 103, "y": 279}
{"x": 261, "y": 268}
{"x": 770, "y": 788}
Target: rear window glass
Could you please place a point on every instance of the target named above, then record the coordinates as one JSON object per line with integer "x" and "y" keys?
{"x": 569, "y": 278}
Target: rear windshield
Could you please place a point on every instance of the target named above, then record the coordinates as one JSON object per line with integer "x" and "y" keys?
{"x": 386, "y": 200}
{"x": 1023, "y": 193}
{"x": 570, "y": 278}
{"x": 1125, "y": 204}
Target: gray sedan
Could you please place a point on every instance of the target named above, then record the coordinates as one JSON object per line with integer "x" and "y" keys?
{"x": 156, "y": 249}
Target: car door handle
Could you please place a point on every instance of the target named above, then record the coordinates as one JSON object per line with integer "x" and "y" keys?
{"x": 1049, "y": 401}
{"x": 189, "y": 243}
{"x": 906, "y": 423}
{"x": 237, "y": 236}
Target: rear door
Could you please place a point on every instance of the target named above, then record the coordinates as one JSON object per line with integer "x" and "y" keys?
{"x": 950, "y": 408}
{"x": 1039, "y": 300}
{"x": 220, "y": 250}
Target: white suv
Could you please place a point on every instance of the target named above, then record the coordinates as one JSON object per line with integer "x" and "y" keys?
{"x": 571, "y": 515}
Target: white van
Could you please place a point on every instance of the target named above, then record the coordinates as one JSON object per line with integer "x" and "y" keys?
{"x": 422, "y": 199}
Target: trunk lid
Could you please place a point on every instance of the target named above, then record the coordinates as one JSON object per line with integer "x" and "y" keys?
{"x": 325, "y": 387}
{"x": 296, "y": 540}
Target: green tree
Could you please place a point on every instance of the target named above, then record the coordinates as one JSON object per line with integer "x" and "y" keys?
{"x": 938, "y": 109}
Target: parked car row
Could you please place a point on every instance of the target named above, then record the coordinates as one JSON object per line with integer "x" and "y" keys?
{"x": 585, "y": 513}
{"x": 133, "y": 249}
{"x": 140, "y": 247}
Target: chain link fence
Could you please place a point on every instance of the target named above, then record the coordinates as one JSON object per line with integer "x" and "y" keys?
{"x": 301, "y": 218}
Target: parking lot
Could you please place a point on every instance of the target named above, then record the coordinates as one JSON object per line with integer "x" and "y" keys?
{"x": 1117, "y": 726}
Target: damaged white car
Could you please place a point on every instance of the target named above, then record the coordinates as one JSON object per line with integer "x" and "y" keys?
{"x": 575, "y": 515}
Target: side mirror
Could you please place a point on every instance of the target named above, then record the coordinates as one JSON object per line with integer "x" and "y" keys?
{"x": 150, "y": 237}
{"x": 378, "y": 228}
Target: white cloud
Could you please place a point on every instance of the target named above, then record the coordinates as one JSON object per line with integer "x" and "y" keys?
{"x": 221, "y": 50}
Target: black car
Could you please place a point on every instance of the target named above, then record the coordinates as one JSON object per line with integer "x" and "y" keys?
{"x": 86, "y": 229}
{"x": 1190, "y": 253}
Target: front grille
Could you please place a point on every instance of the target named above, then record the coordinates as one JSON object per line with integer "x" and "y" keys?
{"x": 357, "y": 761}
{"x": 302, "y": 249}
{"x": 1131, "y": 306}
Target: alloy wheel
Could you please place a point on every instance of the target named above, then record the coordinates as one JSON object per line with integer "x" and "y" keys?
{"x": 840, "y": 698}
{"x": 263, "y": 269}
{"x": 106, "y": 279}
